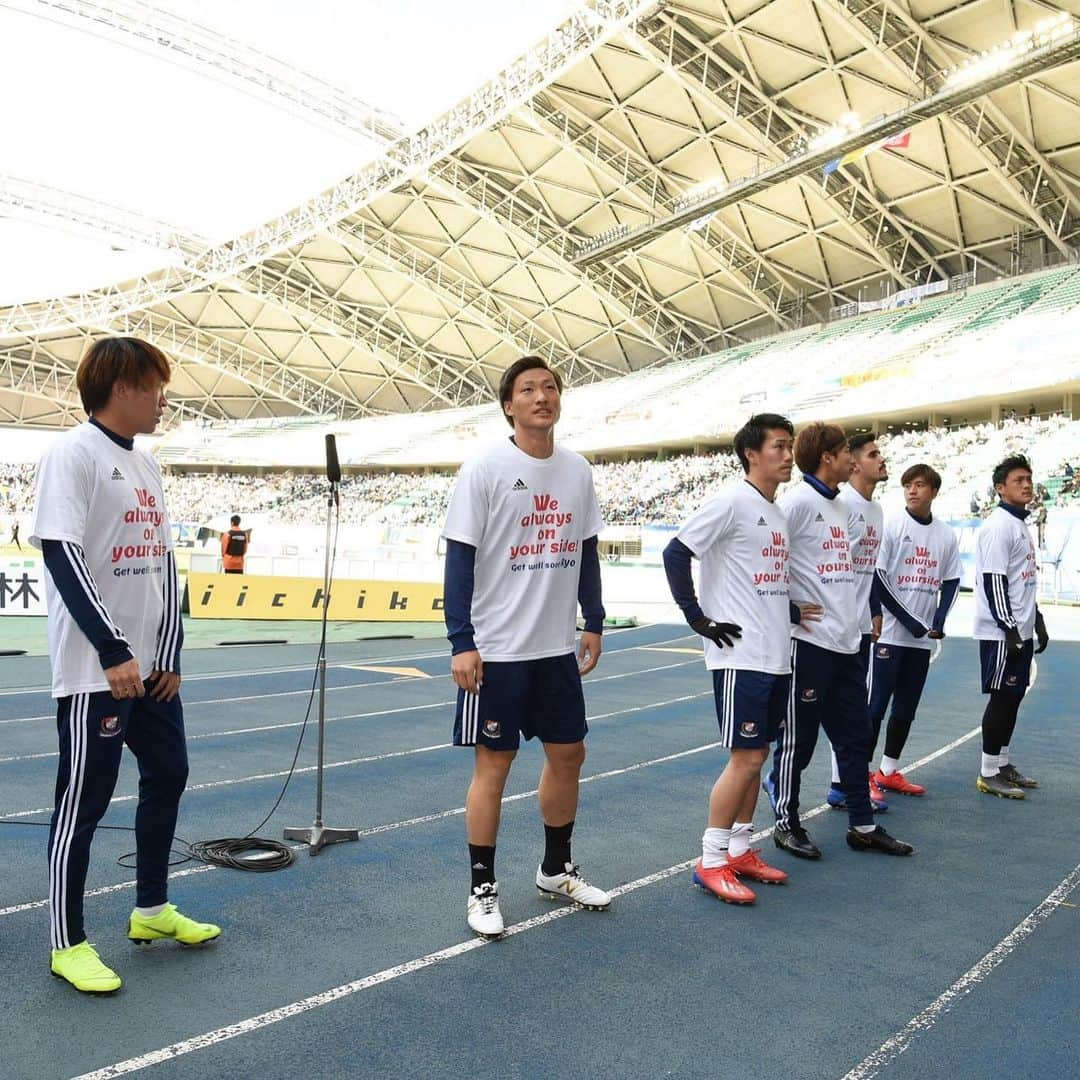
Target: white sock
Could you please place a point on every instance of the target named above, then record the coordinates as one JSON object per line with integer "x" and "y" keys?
{"x": 714, "y": 847}
{"x": 741, "y": 832}
{"x": 889, "y": 765}
{"x": 989, "y": 765}
{"x": 149, "y": 912}
{"x": 835, "y": 767}
{"x": 1003, "y": 757}
{"x": 865, "y": 828}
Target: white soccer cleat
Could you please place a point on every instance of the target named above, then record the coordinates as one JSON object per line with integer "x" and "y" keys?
{"x": 571, "y": 886}
{"x": 483, "y": 912}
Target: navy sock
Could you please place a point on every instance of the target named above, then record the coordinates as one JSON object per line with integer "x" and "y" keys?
{"x": 482, "y": 861}
{"x": 556, "y": 848}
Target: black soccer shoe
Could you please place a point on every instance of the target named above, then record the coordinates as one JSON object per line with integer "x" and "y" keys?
{"x": 1015, "y": 777}
{"x": 878, "y": 840}
{"x": 999, "y": 786}
{"x": 795, "y": 841}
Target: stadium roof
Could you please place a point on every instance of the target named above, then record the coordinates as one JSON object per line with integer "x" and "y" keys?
{"x": 286, "y": 210}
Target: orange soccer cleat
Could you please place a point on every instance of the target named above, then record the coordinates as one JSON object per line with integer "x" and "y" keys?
{"x": 898, "y": 782}
{"x": 723, "y": 883}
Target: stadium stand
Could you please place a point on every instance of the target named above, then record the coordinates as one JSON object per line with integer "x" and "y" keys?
{"x": 638, "y": 492}
{"x": 924, "y": 356}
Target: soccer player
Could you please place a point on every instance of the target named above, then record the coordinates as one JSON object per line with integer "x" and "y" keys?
{"x": 740, "y": 536}
{"x": 865, "y": 522}
{"x": 114, "y": 642}
{"x": 521, "y": 539}
{"x": 828, "y": 680}
{"x": 1006, "y": 617}
{"x": 918, "y": 575}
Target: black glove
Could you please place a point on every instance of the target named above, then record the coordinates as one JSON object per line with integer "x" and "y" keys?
{"x": 719, "y": 633}
{"x": 1014, "y": 643}
{"x": 1040, "y": 632}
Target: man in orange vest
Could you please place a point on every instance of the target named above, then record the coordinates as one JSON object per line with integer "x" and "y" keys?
{"x": 234, "y": 545}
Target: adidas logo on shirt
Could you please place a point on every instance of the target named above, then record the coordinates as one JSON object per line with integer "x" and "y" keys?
{"x": 520, "y": 485}
{"x": 117, "y": 474}
{"x": 819, "y": 518}
{"x": 762, "y": 521}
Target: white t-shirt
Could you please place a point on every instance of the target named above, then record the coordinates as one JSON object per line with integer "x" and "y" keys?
{"x": 740, "y": 538}
{"x": 527, "y": 518}
{"x": 865, "y": 524}
{"x": 1003, "y": 546}
{"x": 916, "y": 559}
{"x": 109, "y": 500}
{"x": 821, "y": 568}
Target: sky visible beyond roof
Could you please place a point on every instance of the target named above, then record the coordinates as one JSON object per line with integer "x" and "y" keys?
{"x": 184, "y": 145}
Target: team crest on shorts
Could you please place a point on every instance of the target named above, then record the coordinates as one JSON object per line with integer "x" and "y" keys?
{"x": 110, "y": 726}
{"x": 809, "y": 694}
{"x": 1011, "y": 680}
{"x": 492, "y": 729}
{"x": 748, "y": 729}
{"x": 883, "y": 652}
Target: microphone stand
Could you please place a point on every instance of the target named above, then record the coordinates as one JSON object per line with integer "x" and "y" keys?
{"x": 318, "y": 835}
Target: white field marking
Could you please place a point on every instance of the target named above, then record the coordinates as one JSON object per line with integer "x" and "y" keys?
{"x": 203, "y": 676}
{"x": 668, "y": 648}
{"x": 348, "y": 716}
{"x": 327, "y": 997}
{"x": 299, "y": 771}
{"x": 896, "y": 1044}
{"x": 966, "y": 737}
{"x": 391, "y": 826}
{"x": 329, "y": 689}
{"x": 457, "y": 811}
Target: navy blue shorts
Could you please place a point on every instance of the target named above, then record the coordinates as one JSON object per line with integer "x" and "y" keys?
{"x": 523, "y": 697}
{"x": 750, "y": 707}
{"x": 1003, "y": 672}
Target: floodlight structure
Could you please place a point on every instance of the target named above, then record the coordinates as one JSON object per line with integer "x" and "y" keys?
{"x": 1052, "y": 43}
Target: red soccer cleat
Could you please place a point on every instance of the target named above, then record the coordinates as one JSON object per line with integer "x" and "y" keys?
{"x": 877, "y": 796}
{"x": 897, "y": 782}
{"x": 723, "y": 884}
{"x": 751, "y": 865}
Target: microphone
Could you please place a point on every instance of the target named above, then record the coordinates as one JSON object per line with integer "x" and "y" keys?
{"x": 333, "y": 468}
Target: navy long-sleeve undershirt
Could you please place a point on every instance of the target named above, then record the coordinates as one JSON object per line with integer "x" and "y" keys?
{"x": 590, "y": 595}
{"x": 71, "y": 575}
{"x": 949, "y": 590}
{"x": 170, "y": 638}
{"x": 677, "y": 562}
{"x": 996, "y": 587}
{"x": 459, "y": 578}
{"x": 459, "y": 574}
{"x": 887, "y": 598}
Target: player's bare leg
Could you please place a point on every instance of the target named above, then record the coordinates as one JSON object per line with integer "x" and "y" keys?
{"x": 731, "y": 813}
{"x": 557, "y": 877}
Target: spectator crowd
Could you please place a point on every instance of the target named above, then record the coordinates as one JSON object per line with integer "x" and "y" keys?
{"x": 654, "y": 491}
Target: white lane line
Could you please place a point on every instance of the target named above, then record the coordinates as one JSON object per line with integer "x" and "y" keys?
{"x": 348, "y": 716}
{"x": 393, "y": 825}
{"x": 459, "y": 810}
{"x": 327, "y": 997}
{"x": 894, "y": 1046}
{"x": 204, "y": 676}
{"x": 372, "y": 684}
{"x": 299, "y": 771}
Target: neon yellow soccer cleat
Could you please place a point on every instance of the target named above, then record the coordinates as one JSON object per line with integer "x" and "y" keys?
{"x": 170, "y": 924}
{"x": 81, "y": 966}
